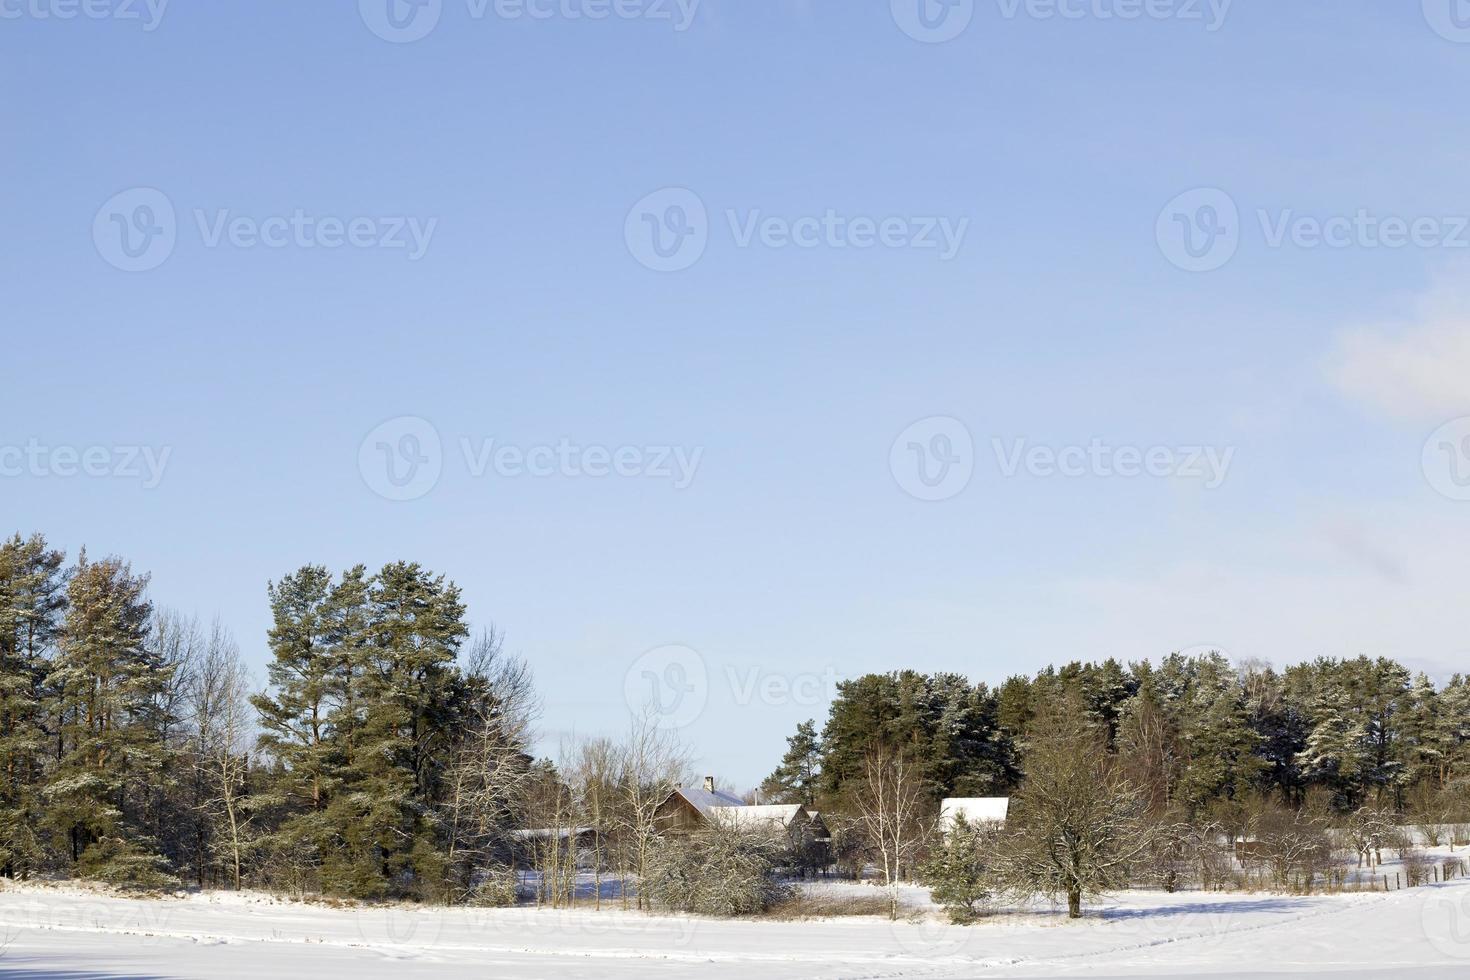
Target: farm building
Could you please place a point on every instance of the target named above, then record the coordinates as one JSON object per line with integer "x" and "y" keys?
{"x": 976, "y": 810}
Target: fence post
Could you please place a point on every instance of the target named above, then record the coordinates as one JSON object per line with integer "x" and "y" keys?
{"x": 1398, "y": 882}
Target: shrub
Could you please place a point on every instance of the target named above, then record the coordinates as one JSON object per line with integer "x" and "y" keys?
{"x": 718, "y": 871}
{"x": 498, "y": 888}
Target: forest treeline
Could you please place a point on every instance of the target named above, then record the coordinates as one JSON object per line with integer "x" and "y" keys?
{"x": 389, "y": 752}
{"x": 1196, "y": 731}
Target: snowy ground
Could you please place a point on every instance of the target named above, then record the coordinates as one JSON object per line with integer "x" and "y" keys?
{"x": 68, "y": 933}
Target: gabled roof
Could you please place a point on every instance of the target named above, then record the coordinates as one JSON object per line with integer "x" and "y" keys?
{"x": 705, "y": 800}
{"x": 975, "y": 809}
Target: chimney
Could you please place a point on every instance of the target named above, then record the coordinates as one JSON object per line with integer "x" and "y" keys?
{"x": 709, "y": 784}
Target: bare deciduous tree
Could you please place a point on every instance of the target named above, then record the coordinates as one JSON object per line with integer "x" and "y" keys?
{"x": 893, "y": 813}
{"x": 218, "y": 690}
{"x": 489, "y": 775}
{"x": 653, "y": 765}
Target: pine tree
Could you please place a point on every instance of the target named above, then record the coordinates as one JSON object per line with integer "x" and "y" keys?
{"x": 796, "y": 778}
{"x": 108, "y": 683}
{"x": 297, "y": 716}
{"x": 32, "y": 598}
{"x": 409, "y": 695}
{"x": 958, "y": 871}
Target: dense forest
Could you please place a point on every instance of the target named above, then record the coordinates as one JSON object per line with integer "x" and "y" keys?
{"x": 1198, "y": 731}
{"x": 388, "y": 754}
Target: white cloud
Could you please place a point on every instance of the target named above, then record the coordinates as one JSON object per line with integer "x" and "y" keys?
{"x": 1414, "y": 370}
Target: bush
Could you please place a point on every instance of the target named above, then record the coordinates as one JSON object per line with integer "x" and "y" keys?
{"x": 115, "y": 861}
{"x": 498, "y": 888}
{"x": 718, "y": 871}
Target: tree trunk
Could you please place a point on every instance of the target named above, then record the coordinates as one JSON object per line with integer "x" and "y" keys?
{"x": 1074, "y": 904}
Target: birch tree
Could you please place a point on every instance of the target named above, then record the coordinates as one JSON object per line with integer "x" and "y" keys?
{"x": 892, "y": 810}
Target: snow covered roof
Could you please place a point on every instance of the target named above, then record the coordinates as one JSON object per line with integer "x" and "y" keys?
{"x": 705, "y": 800}
{"x": 774, "y": 816}
{"x": 975, "y": 809}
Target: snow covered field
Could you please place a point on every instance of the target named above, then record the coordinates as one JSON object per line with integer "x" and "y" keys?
{"x": 66, "y": 933}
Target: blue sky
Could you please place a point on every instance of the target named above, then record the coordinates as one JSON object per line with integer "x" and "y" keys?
{"x": 525, "y": 151}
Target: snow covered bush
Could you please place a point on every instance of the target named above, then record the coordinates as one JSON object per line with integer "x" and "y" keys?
{"x": 497, "y": 888}
{"x": 717, "y": 871}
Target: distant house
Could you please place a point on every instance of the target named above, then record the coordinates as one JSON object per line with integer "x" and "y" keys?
{"x": 802, "y": 832}
{"x": 976, "y": 811}
{"x": 689, "y": 808}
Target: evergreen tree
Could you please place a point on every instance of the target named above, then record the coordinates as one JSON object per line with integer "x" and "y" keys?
{"x": 108, "y": 684}
{"x": 796, "y": 778}
{"x": 410, "y": 698}
{"x": 32, "y": 598}
{"x": 297, "y": 716}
